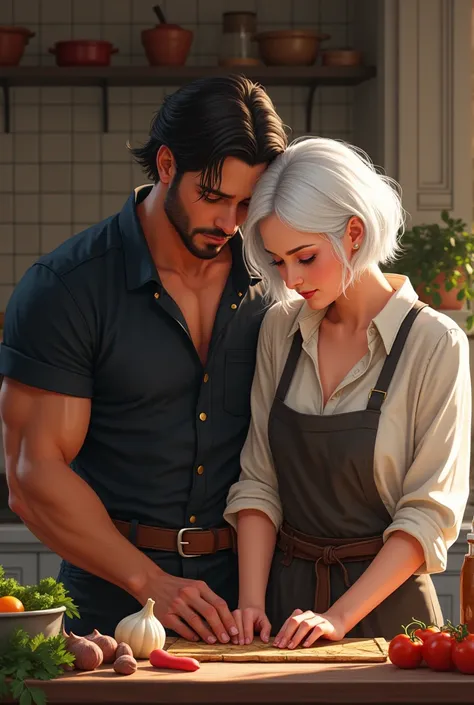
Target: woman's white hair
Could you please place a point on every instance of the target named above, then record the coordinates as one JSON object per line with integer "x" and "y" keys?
{"x": 316, "y": 186}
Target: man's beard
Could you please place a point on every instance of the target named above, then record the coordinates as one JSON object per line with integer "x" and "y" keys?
{"x": 179, "y": 219}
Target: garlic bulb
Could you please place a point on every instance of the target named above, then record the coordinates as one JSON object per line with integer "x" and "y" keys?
{"x": 142, "y": 631}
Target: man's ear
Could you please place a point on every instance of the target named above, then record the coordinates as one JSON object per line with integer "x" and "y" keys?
{"x": 165, "y": 164}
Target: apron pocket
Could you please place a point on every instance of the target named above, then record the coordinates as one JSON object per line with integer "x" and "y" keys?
{"x": 239, "y": 371}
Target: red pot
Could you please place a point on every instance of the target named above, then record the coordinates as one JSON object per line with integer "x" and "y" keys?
{"x": 167, "y": 44}
{"x": 83, "y": 52}
{"x": 13, "y": 41}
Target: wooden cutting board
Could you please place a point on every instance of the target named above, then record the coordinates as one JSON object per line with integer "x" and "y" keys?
{"x": 349, "y": 650}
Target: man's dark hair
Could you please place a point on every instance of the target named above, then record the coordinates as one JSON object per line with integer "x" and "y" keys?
{"x": 210, "y": 119}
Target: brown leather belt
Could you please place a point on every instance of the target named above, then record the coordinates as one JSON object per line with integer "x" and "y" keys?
{"x": 189, "y": 542}
{"x": 325, "y": 552}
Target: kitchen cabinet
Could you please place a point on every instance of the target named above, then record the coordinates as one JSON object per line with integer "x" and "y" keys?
{"x": 23, "y": 566}
{"x": 447, "y": 583}
{"x": 416, "y": 119}
{"x": 28, "y": 560}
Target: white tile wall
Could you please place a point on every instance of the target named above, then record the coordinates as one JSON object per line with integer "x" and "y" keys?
{"x": 59, "y": 172}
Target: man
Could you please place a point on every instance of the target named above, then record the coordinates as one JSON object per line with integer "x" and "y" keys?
{"x": 128, "y": 358}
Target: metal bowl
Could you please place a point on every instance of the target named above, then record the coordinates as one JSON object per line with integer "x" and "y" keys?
{"x": 34, "y": 622}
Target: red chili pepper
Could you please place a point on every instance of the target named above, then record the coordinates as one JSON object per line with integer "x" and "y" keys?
{"x": 163, "y": 659}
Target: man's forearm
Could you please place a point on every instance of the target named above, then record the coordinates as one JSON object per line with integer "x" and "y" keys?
{"x": 68, "y": 517}
{"x": 256, "y": 537}
{"x": 396, "y": 561}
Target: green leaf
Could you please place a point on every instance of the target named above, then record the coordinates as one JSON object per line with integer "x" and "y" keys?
{"x": 469, "y": 322}
{"x": 46, "y": 594}
{"x": 25, "y": 697}
{"x": 38, "y": 695}
{"x": 3, "y": 685}
{"x": 461, "y": 295}
{"x": 17, "y": 688}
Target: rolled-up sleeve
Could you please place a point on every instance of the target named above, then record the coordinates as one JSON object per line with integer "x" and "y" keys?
{"x": 257, "y": 487}
{"x": 47, "y": 342}
{"x": 436, "y": 485}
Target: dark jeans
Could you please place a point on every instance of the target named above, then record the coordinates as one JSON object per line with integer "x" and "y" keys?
{"x": 102, "y": 604}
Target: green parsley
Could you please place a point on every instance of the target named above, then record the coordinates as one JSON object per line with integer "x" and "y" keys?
{"x": 23, "y": 657}
{"x": 48, "y": 593}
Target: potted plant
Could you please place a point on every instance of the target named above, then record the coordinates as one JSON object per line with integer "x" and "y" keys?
{"x": 439, "y": 261}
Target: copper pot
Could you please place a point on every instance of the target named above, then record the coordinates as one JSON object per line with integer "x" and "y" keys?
{"x": 167, "y": 44}
{"x": 341, "y": 57}
{"x": 289, "y": 47}
{"x": 83, "y": 52}
{"x": 13, "y": 41}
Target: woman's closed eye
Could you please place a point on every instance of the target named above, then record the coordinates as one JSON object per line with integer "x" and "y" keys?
{"x": 307, "y": 260}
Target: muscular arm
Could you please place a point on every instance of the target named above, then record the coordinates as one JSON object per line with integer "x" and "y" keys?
{"x": 43, "y": 432}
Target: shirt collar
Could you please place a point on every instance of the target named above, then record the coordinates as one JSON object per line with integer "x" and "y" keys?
{"x": 387, "y": 321}
{"x": 391, "y": 317}
{"x": 139, "y": 265}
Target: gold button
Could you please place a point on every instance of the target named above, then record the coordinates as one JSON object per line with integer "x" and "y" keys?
{"x": 234, "y": 306}
{"x": 156, "y": 295}
{"x": 206, "y": 378}
{"x": 192, "y": 519}
{"x": 200, "y": 470}
{"x": 203, "y": 416}
{"x": 239, "y": 293}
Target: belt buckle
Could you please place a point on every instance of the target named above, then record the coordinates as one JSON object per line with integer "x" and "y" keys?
{"x": 180, "y": 542}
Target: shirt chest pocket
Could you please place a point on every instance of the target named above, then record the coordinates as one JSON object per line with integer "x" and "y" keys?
{"x": 239, "y": 371}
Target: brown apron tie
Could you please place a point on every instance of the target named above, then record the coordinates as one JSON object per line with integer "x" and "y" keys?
{"x": 326, "y": 552}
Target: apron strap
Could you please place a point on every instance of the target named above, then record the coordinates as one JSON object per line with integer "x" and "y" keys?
{"x": 378, "y": 394}
{"x": 290, "y": 366}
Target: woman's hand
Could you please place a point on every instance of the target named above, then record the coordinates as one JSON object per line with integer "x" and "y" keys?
{"x": 248, "y": 620}
{"x": 308, "y": 626}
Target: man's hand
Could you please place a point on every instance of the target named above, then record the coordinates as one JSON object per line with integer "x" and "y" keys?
{"x": 190, "y": 608}
{"x": 250, "y": 619}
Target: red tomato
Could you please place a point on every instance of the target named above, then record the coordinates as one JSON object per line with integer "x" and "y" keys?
{"x": 437, "y": 652}
{"x": 405, "y": 652}
{"x": 463, "y": 655}
{"x": 427, "y": 633}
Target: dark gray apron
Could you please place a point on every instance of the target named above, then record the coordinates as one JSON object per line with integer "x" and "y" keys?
{"x": 325, "y": 470}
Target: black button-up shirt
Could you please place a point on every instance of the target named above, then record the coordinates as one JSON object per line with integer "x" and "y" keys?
{"x": 92, "y": 319}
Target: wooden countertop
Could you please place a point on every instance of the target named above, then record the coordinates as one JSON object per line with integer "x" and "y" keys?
{"x": 279, "y": 683}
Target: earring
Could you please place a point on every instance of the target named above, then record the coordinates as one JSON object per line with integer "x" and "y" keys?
{"x": 356, "y": 246}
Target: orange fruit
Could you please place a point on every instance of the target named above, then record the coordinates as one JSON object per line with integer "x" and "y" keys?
{"x": 11, "y": 604}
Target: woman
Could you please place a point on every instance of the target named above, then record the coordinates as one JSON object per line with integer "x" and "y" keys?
{"x": 357, "y": 460}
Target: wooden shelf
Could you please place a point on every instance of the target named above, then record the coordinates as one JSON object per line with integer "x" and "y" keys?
{"x": 310, "y": 76}
{"x": 174, "y": 76}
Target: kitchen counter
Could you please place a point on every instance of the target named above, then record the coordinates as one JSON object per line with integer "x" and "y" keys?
{"x": 279, "y": 683}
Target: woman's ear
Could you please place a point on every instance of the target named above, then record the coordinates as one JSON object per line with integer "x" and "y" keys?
{"x": 355, "y": 230}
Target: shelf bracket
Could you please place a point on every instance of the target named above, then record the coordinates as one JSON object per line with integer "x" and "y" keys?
{"x": 309, "y": 105}
{"x": 105, "y": 106}
{"x": 6, "y": 106}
